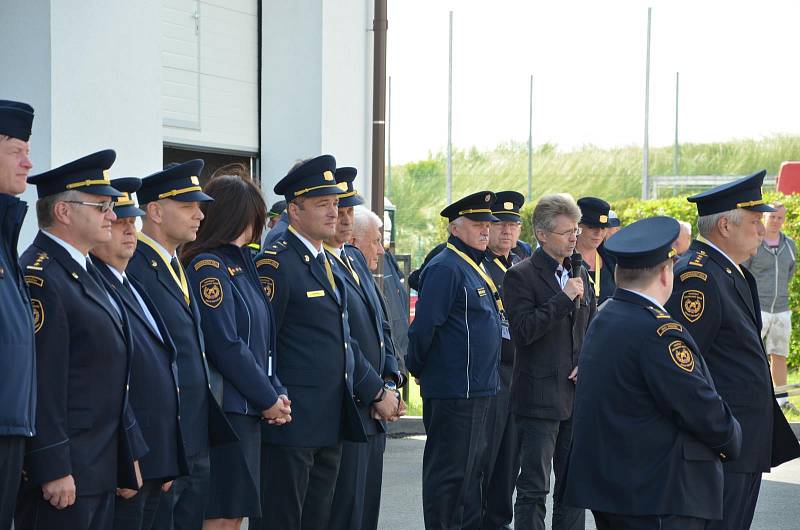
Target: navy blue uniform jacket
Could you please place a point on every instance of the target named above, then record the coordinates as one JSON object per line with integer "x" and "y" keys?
{"x": 201, "y": 417}
{"x": 454, "y": 341}
{"x": 17, "y": 351}
{"x": 85, "y": 427}
{"x": 369, "y": 329}
{"x": 316, "y": 361}
{"x": 648, "y": 426}
{"x": 720, "y": 308}
{"x": 497, "y": 266}
{"x": 154, "y": 383}
{"x": 239, "y": 328}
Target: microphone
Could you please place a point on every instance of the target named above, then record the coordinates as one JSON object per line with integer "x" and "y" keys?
{"x": 576, "y": 261}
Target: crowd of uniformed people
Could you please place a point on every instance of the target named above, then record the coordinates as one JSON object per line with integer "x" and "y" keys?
{"x": 178, "y": 374}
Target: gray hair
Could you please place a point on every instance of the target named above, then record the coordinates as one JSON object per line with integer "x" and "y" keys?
{"x": 706, "y": 224}
{"x": 551, "y": 206}
{"x": 44, "y": 206}
{"x": 362, "y": 217}
{"x": 686, "y": 226}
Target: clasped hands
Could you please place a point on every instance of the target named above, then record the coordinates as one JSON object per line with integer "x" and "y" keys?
{"x": 280, "y": 413}
{"x": 391, "y": 406}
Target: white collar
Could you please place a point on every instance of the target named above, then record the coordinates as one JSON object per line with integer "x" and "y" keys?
{"x": 159, "y": 246}
{"x": 74, "y": 253}
{"x": 646, "y": 297}
{"x": 311, "y": 248}
{"x": 338, "y": 251}
{"x": 119, "y": 275}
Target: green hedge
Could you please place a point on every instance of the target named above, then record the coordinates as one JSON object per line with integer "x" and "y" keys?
{"x": 630, "y": 210}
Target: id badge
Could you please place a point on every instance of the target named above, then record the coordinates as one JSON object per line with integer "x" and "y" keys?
{"x": 504, "y": 330}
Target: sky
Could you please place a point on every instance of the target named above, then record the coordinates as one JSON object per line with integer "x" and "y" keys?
{"x": 739, "y": 65}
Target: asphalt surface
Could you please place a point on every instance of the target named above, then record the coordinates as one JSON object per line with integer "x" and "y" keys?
{"x": 401, "y": 502}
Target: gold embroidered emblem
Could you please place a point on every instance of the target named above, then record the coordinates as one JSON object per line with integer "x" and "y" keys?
{"x": 195, "y": 181}
{"x": 38, "y": 314}
{"x": 34, "y": 280}
{"x": 681, "y": 355}
{"x": 268, "y": 261}
{"x": 211, "y": 292}
{"x": 327, "y": 175}
{"x": 692, "y": 304}
{"x": 204, "y": 262}
{"x": 603, "y": 219}
{"x": 508, "y": 205}
{"x": 694, "y": 274}
{"x": 268, "y": 285}
{"x": 669, "y": 326}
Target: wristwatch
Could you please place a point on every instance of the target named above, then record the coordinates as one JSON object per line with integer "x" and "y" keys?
{"x": 390, "y": 385}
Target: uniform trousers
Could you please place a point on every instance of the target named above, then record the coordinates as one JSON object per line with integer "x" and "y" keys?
{"x": 545, "y": 445}
{"x": 183, "y": 506}
{"x": 451, "y": 463}
{"x": 739, "y": 498}
{"x": 357, "y": 499}
{"x": 502, "y": 464}
{"x": 138, "y": 512}
{"x": 12, "y": 455}
{"x": 613, "y": 521}
{"x": 89, "y": 512}
{"x": 297, "y": 487}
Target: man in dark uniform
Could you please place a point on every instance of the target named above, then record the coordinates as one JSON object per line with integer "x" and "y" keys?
{"x": 278, "y": 223}
{"x": 316, "y": 359}
{"x": 502, "y": 461}
{"x": 171, "y": 200}
{"x": 17, "y": 355}
{"x": 649, "y": 428}
{"x": 454, "y": 349}
{"x": 357, "y": 497}
{"x": 275, "y": 214}
{"x": 87, "y": 438}
{"x": 154, "y": 369}
{"x": 717, "y": 301}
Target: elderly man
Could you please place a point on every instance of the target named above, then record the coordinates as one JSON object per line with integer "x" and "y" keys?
{"x": 550, "y": 304}
{"x": 87, "y": 438}
{"x": 357, "y": 497}
{"x": 649, "y": 429}
{"x": 773, "y": 267}
{"x": 17, "y": 356}
{"x": 684, "y": 238}
{"x": 454, "y": 349}
{"x": 717, "y": 301}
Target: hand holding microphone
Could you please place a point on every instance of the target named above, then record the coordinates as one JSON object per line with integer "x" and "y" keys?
{"x": 574, "y": 286}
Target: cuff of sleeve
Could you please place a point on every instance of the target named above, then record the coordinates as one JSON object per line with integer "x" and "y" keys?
{"x": 49, "y": 463}
{"x": 366, "y": 390}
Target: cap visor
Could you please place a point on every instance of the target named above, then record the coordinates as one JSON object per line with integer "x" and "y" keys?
{"x": 128, "y": 211}
{"x": 761, "y": 208}
{"x": 355, "y": 200}
{"x": 108, "y": 191}
{"x": 481, "y": 217}
{"x": 192, "y": 196}
{"x": 507, "y": 217}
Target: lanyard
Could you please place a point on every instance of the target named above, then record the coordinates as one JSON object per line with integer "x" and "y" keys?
{"x": 486, "y": 278}
{"x": 343, "y": 262}
{"x": 181, "y": 282}
{"x": 596, "y": 281}
{"x": 500, "y": 264}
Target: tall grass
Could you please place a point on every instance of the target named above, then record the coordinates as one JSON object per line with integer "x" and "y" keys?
{"x": 418, "y": 188}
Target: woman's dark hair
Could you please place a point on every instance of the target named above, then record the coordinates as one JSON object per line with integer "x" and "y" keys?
{"x": 237, "y": 204}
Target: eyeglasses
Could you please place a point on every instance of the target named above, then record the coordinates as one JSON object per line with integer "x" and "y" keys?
{"x": 102, "y": 206}
{"x": 576, "y": 231}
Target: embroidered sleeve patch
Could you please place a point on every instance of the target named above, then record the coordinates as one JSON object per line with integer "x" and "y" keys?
{"x": 268, "y": 285}
{"x": 692, "y": 304}
{"x": 38, "y": 314}
{"x": 694, "y": 274}
{"x": 681, "y": 355}
{"x": 34, "y": 280}
{"x": 211, "y": 292}
{"x": 669, "y": 326}
{"x": 268, "y": 261}
{"x": 206, "y": 262}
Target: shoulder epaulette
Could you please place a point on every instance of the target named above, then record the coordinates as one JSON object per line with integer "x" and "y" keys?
{"x": 41, "y": 261}
{"x": 698, "y": 258}
{"x": 206, "y": 263}
{"x": 658, "y": 313}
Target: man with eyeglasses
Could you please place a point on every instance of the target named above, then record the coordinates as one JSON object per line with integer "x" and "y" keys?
{"x": 550, "y": 304}
{"x": 17, "y": 355}
{"x": 87, "y": 439}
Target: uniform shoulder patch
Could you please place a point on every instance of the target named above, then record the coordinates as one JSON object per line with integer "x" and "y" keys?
{"x": 268, "y": 285}
{"x": 702, "y": 276}
{"x": 681, "y": 355}
{"x": 206, "y": 263}
{"x": 656, "y": 312}
{"x": 39, "y": 262}
{"x": 211, "y": 292}
{"x": 698, "y": 258}
{"x": 268, "y": 261}
{"x": 693, "y": 304}
{"x": 669, "y": 326}
{"x": 38, "y": 314}
{"x": 34, "y": 280}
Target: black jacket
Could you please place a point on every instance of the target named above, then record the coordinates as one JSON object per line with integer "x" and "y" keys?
{"x": 17, "y": 350}
{"x": 154, "y": 382}
{"x": 548, "y": 332}
{"x": 720, "y": 308}
{"x": 85, "y": 426}
{"x": 649, "y": 428}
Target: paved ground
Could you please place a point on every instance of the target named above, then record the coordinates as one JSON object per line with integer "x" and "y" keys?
{"x": 778, "y": 507}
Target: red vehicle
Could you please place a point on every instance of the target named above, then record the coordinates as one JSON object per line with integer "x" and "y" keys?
{"x": 788, "y": 181}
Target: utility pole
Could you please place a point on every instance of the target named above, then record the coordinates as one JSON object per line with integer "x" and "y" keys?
{"x": 676, "y": 151}
{"x": 389, "y": 137}
{"x": 449, "y": 192}
{"x": 379, "y": 27}
{"x": 530, "y": 143}
{"x": 646, "y": 147}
